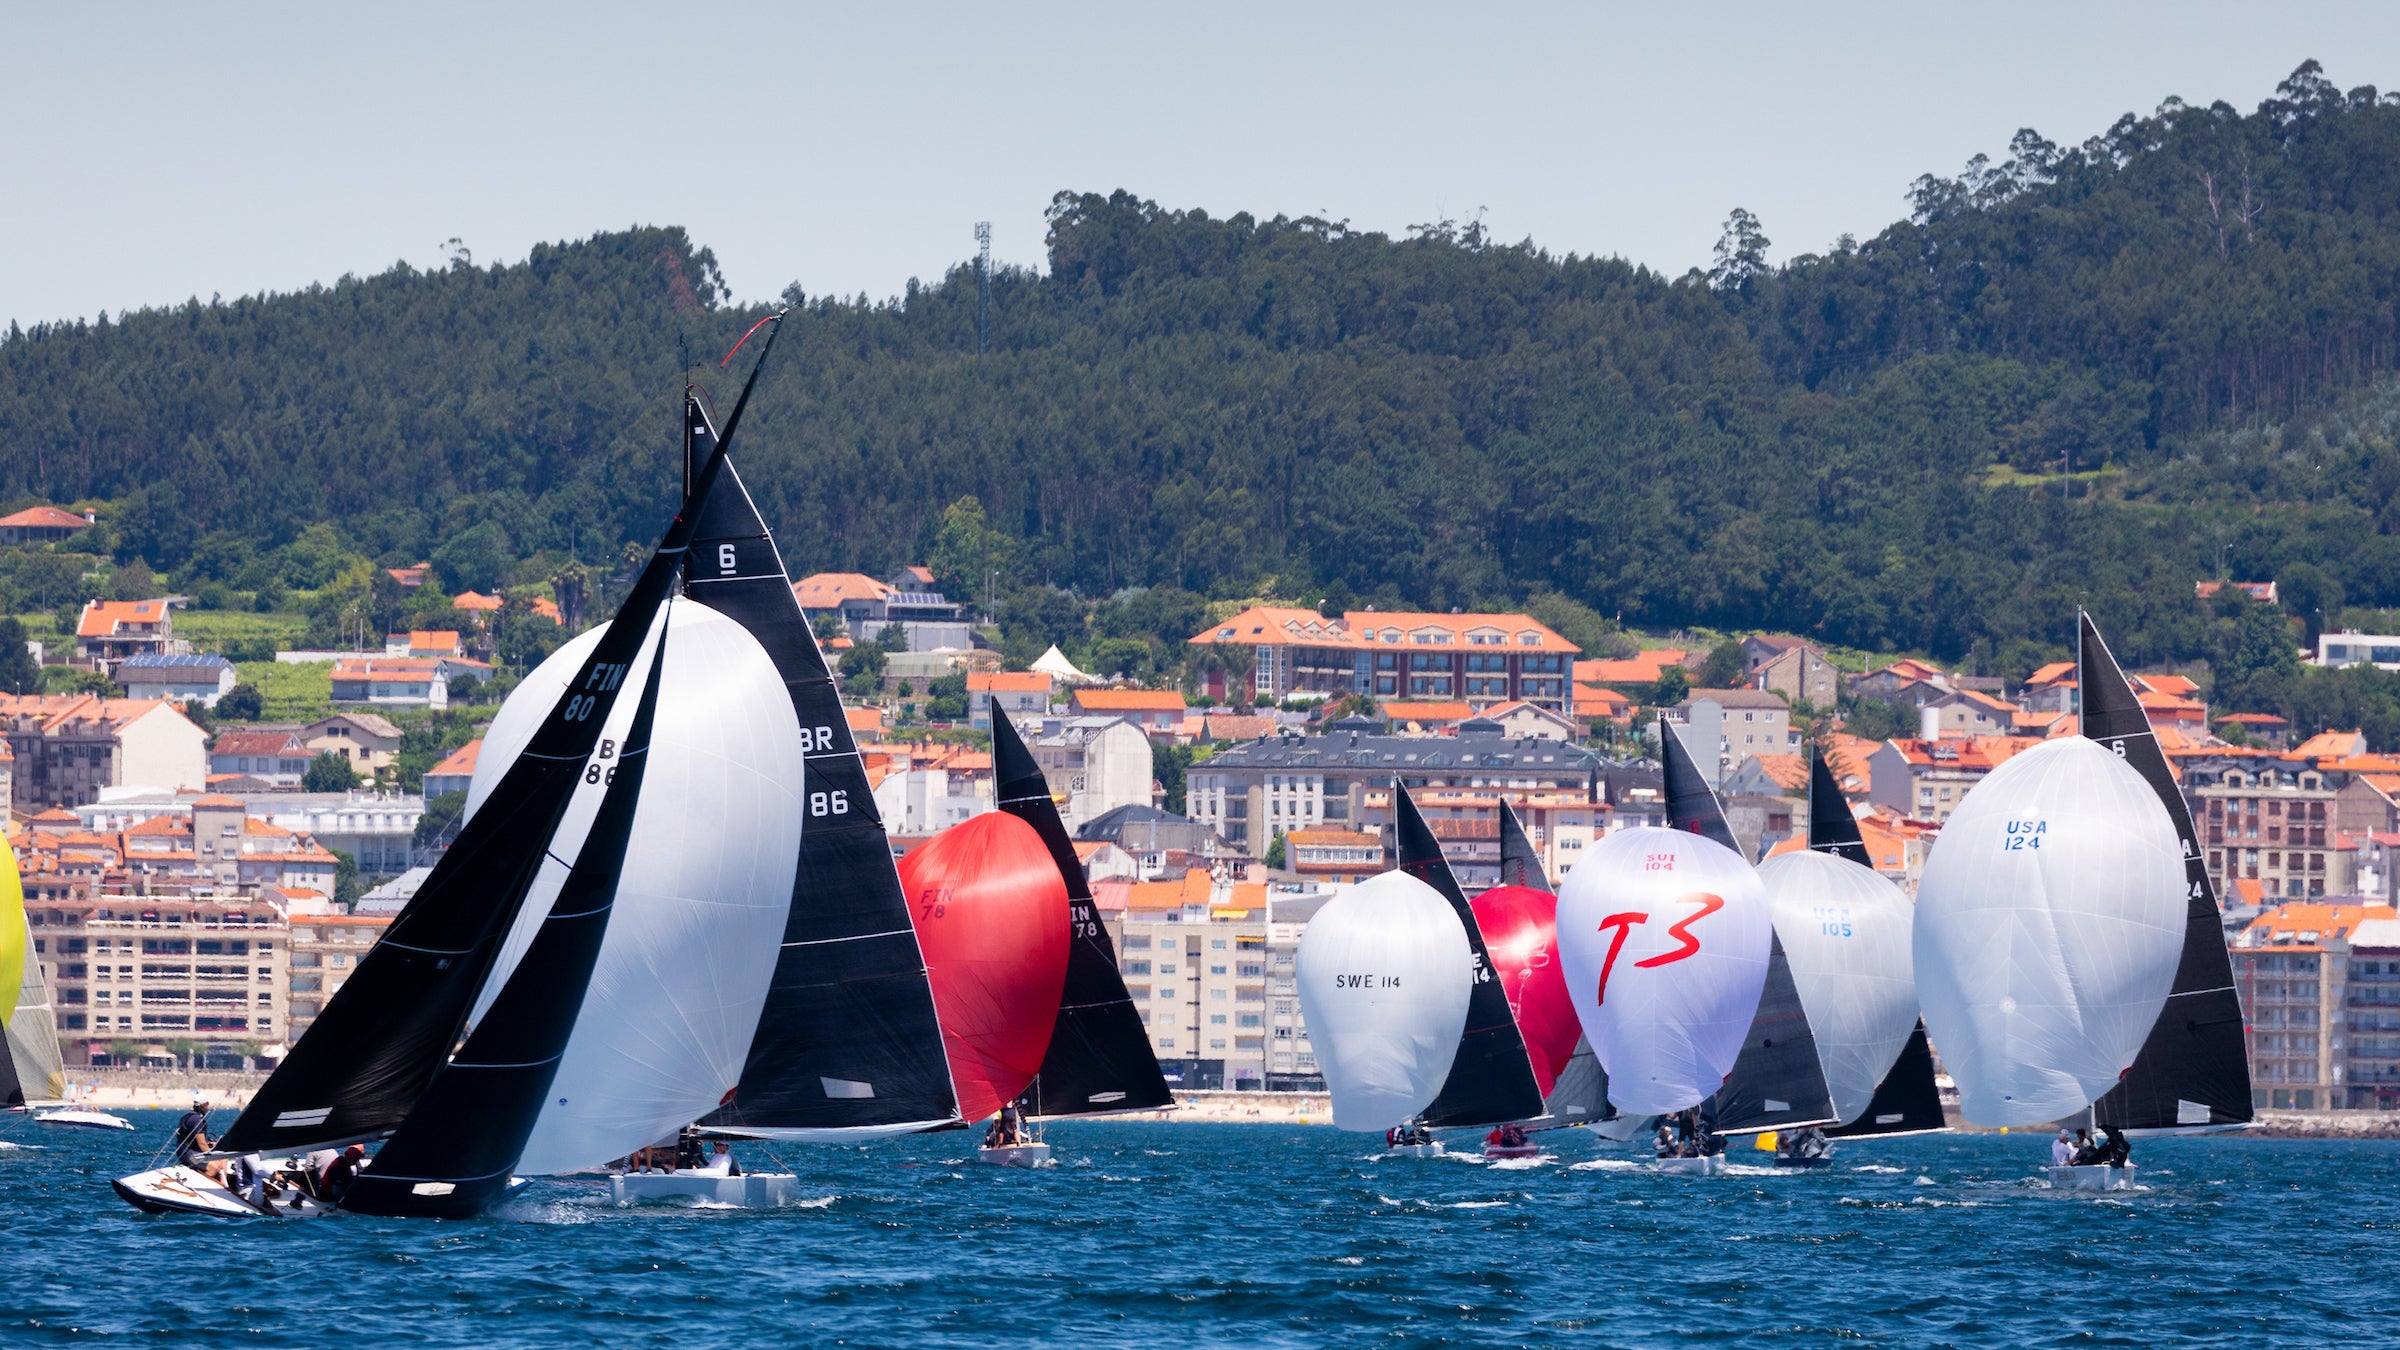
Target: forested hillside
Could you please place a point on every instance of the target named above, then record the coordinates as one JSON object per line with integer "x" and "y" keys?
{"x": 2090, "y": 373}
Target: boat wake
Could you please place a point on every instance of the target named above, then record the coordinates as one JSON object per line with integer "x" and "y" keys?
{"x": 1606, "y": 1165}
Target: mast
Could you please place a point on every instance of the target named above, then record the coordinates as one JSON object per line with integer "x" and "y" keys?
{"x": 452, "y": 1156}
{"x": 1907, "y": 1101}
{"x": 383, "y": 1035}
{"x": 849, "y": 1044}
{"x": 2194, "y": 1070}
{"x": 1778, "y": 1080}
{"x": 1099, "y": 1058}
{"x": 1491, "y": 1077}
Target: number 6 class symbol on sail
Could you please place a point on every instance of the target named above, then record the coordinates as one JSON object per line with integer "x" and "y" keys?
{"x": 725, "y": 559}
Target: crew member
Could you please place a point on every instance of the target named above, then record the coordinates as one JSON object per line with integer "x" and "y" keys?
{"x": 192, "y": 1143}
{"x": 2062, "y": 1150}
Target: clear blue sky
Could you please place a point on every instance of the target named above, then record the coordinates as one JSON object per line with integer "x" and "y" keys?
{"x": 154, "y": 153}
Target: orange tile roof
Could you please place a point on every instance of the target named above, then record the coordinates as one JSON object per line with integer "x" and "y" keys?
{"x": 1277, "y": 625}
{"x": 458, "y": 763}
{"x": 219, "y": 801}
{"x": 1008, "y": 681}
{"x": 2254, "y": 720}
{"x": 43, "y": 518}
{"x": 1973, "y": 752}
{"x": 2283, "y": 926}
{"x": 432, "y": 640}
{"x": 2155, "y": 702}
{"x": 826, "y": 590}
{"x": 102, "y": 618}
{"x": 548, "y": 609}
{"x": 2057, "y": 672}
{"x": 863, "y": 719}
{"x": 1160, "y": 896}
{"x": 1128, "y": 700}
{"x": 1605, "y": 697}
{"x": 469, "y": 600}
{"x": 1788, "y": 771}
{"x": 2173, "y": 686}
{"x": 2329, "y": 744}
{"x": 1641, "y": 668}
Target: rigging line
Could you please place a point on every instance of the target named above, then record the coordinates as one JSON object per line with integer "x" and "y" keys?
{"x": 854, "y": 937}
{"x": 746, "y": 337}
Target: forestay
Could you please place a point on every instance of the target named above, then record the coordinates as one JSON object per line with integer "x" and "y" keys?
{"x": 701, "y": 900}
{"x": 1846, "y": 934}
{"x": 2048, "y": 924}
{"x": 1385, "y": 973}
{"x": 1664, "y": 936}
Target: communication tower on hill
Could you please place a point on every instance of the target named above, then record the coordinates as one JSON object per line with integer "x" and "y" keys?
{"x": 983, "y": 286}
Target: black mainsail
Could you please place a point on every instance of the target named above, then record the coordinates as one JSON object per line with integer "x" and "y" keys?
{"x": 385, "y": 1033}
{"x": 1099, "y": 1058}
{"x": 1520, "y": 862}
{"x": 2194, "y": 1070}
{"x": 452, "y": 1155}
{"x": 847, "y": 1043}
{"x": 1491, "y": 1077}
{"x": 1778, "y": 1081}
{"x": 1907, "y": 1100}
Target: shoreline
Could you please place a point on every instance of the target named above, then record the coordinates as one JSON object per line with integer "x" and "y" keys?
{"x": 105, "y": 1090}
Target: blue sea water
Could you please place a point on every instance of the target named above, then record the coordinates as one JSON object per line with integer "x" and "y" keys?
{"x": 1255, "y": 1235}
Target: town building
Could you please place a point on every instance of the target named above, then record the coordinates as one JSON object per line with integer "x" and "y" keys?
{"x": 1021, "y": 694}
{"x": 2264, "y": 820}
{"x": 270, "y": 756}
{"x": 866, "y": 606}
{"x": 2265, "y": 728}
{"x": 455, "y": 772}
{"x": 1964, "y": 713}
{"x": 198, "y": 977}
{"x": 2339, "y": 650}
{"x": 1148, "y": 834}
{"x": 69, "y": 748}
{"x": 392, "y": 681}
{"x": 1414, "y": 717}
{"x": 1253, "y": 791}
{"x": 1333, "y": 855}
{"x": 198, "y": 677}
{"x": 2263, "y": 592}
{"x": 1723, "y": 727}
{"x": 2291, "y": 967}
{"x": 325, "y": 947}
{"x": 41, "y": 525}
{"x": 925, "y": 800}
{"x": 2051, "y": 689}
{"x": 1153, "y": 711}
{"x": 1926, "y": 780}
{"x": 112, "y": 630}
{"x": 1792, "y": 667}
{"x": 1194, "y": 953}
{"x": 2371, "y": 1011}
{"x": 1531, "y": 721}
{"x": 369, "y": 742}
{"x": 1097, "y": 763}
{"x": 1478, "y": 658}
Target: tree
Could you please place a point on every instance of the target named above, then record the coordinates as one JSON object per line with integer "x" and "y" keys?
{"x": 345, "y": 878}
{"x": 442, "y": 814}
{"x": 1741, "y": 254}
{"x": 18, "y": 673}
{"x": 1275, "y": 851}
{"x": 2310, "y": 594}
{"x": 2257, "y": 664}
{"x": 967, "y": 551}
{"x": 862, "y": 669}
{"x": 242, "y": 703}
{"x": 474, "y": 559}
{"x": 1671, "y": 688}
{"x": 1168, "y": 764}
{"x": 330, "y": 771}
{"x": 134, "y": 581}
{"x": 1726, "y": 667}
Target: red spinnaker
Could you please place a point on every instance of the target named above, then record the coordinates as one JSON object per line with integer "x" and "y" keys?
{"x": 991, "y": 915}
{"x": 1520, "y": 927}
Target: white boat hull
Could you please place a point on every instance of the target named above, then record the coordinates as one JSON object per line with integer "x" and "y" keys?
{"x": 1015, "y": 1155}
{"x": 180, "y": 1190}
{"x": 2091, "y": 1178}
{"x": 1707, "y": 1166}
{"x": 90, "y": 1120}
{"x": 1433, "y": 1150}
{"x": 751, "y": 1190}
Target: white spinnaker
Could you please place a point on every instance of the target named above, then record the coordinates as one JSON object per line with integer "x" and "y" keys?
{"x": 1667, "y": 1031}
{"x": 1845, "y": 931}
{"x": 1384, "y": 971}
{"x": 2049, "y": 921}
{"x": 700, "y": 907}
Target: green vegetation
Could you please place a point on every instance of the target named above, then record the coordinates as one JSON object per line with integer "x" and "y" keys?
{"x": 330, "y": 771}
{"x": 290, "y": 692}
{"x": 2086, "y": 373}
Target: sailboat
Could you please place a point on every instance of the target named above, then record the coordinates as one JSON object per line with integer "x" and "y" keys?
{"x": 2050, "y": 923}
{"x": 702, "y": 898}
{"x": 32, "y": 1073}
{"x": 1099, "y": 1059}
{"x": 1845, "y": 934}
{"x": 1778, "y": 1082}
{"x": 1665, "y": 936}
{"x": 2192, "y": 1074}
{"x": 1491, "y": 1080}
{"x": 848, "y": 1045}
{"x": 992, "y": 913}
{"x": 1519, "y": 922}
{"x": 400, "y": 1052}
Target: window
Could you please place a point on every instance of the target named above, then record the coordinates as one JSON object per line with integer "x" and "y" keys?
{"x": 1216, "y": 1019}
{"x": 1216, "y": 1043}
{"x": 1137, "y": 967}
{"x": 1216, "y": 970}
{"x": 1218, "y": 945}
{"x": 1216, "y": 996}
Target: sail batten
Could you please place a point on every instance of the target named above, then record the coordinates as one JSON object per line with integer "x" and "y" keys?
{"x": 2193, "y": 1071}
{"x": 1099, "y": 1060}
